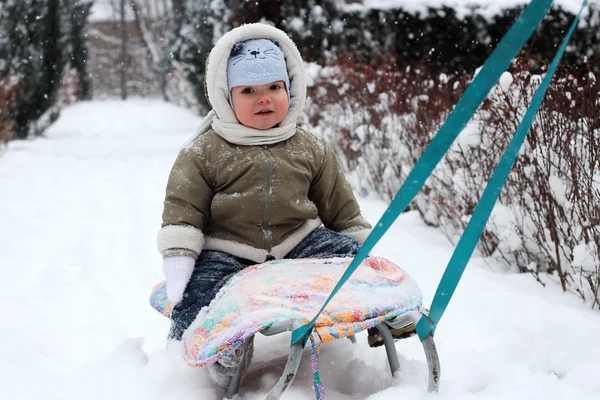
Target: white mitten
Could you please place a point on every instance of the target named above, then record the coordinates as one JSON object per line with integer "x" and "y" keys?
{"x": 178, "y": 271}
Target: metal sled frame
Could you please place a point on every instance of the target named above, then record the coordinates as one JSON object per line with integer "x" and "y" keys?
{"x": 291, "y": 368}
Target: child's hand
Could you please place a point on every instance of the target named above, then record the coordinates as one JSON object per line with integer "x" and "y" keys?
{"x": 178, "y": 271}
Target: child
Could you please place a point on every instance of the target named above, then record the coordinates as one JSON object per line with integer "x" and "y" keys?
{"x": 252, "y": 186}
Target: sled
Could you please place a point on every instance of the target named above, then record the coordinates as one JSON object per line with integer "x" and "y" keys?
{"x": 282, "y": 295}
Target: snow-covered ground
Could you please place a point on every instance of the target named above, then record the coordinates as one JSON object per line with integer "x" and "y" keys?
{"x": 79, "y": 212}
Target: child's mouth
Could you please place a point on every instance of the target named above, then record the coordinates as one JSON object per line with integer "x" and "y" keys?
{"x": 264, "y": 112}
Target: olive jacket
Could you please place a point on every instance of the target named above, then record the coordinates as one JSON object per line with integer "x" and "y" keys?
{"x": 255, "y": 201}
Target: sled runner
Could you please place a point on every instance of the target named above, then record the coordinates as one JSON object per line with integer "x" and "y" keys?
{"x": 282, "y": 295}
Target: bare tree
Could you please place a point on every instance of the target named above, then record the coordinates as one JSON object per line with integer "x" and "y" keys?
{"x": 153, "y": 21}
{"x": 123, "y": 52}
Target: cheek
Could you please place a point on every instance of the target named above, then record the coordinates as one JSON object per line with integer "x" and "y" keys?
{"x": 241, "y": 106}
{"x": 237, "y": 101}
{"x": 282, "y": 102}
{"x": 243, "y": 115}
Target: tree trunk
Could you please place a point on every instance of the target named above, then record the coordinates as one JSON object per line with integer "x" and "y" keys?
{"x": 123, "y": 53}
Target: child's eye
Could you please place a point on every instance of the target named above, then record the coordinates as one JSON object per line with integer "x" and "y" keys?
{"x": 275, "y": 87}
{"x": 247, "y": 91}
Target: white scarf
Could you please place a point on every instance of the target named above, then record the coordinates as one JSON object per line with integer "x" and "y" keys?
{"x": 237, "y": 133}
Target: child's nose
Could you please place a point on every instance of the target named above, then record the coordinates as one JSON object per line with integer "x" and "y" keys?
{"x": 264, "y": 98}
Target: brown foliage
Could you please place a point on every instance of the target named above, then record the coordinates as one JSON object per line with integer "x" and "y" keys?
{"x": 555, "y": 185}
{"x": 68, "y": 92}
{"x": 8, "y": 95}
{"x": 548, "y": 218}
{"x": 360, "y": 107}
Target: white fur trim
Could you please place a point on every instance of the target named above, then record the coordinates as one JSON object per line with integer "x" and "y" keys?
{"x": 295, "y": 238}
{"x": 359, "y": 222}
{"x": 223, "y": 119}
{"x": 360, "y": 235}
{"x": 260, "y": 255}
{"x": 180, "y": 237}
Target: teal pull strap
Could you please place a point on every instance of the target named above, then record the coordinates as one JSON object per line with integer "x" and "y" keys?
{"x": 497, "y": 63}
{"x": 474, "y": 229}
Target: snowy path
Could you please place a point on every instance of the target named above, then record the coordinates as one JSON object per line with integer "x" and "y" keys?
{"x": 78, "y": 217}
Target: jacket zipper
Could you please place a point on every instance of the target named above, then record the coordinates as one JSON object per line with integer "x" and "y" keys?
{"x": 267, "y": 234}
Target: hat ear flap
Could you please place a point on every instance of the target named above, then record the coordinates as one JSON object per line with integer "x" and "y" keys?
{"x": 237, "y": 49}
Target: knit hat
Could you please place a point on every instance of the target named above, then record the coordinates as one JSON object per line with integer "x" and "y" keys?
{"x": 256, "y": 62}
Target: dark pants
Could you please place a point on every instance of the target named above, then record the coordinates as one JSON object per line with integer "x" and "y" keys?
{"x": 214, "y": 268}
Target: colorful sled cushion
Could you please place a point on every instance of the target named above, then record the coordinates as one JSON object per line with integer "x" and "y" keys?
{"x": 276, "y": 291}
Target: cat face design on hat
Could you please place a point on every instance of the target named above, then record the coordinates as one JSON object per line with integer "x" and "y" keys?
{"x": 254, "y": 49}
{"x": 256, "y": 62}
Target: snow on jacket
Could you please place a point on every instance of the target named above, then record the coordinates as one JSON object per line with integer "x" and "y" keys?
{"x": 254, "y": 193}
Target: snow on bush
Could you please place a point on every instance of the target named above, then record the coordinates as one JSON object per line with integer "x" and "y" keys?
{"x": 547, "y": 221}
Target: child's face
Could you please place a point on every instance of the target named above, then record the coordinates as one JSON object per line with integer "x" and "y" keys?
{"x": 260, "y": 106}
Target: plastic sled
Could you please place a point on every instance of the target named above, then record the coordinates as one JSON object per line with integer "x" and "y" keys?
{"x": 279, "y": 296}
